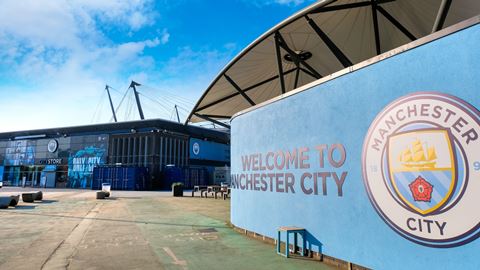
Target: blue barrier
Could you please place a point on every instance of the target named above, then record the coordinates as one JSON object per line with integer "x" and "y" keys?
{"x": 380, "y": 165}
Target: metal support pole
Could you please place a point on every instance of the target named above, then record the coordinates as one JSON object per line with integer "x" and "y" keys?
{"x": 244, "y": 90}
{"x": 212, "y": 120}
{"x": 133, "y": 85}
{"x": 176, "y": 110}
{"x": 396, "y": 23}
{"x": 441, "y": 15}
{"x": 296, "y": 59}
{"x": 247, "y": 98}
{"x": 330, "y": 44}
{"x": 279, "y": 63}
{"x": 297, "y": 74}
{"x": 111, "y": 103}
{"x": 375, "y": 27}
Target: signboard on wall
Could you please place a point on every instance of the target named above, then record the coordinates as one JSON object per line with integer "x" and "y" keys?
{"x": 425, "y": 148}
{"x": 381, "y": 165}
{"x": 86, "y": 153}
{"x": 20, "y": 152}
{"x": 206, "y": 150}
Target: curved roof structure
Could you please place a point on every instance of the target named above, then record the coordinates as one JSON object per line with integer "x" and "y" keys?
{"x": 321, "y": 39}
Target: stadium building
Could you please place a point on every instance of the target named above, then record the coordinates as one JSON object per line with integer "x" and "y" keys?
{"x": 66, "y": 157}
{"x": 355, "y": 125}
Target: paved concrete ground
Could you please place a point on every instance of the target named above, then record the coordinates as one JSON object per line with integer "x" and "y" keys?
{"x": 132, "y": 230}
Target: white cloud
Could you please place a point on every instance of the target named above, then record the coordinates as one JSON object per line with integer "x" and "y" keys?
{"x": 55, "y": 60}
{"x": 164, "y": 36}
{"x": 51, "y": 36}
{"x": 134, "y": 13}
{"x": 57, "y": 54}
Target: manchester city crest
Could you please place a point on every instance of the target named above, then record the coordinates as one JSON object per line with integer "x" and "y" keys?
{"x": 420, "y": 168}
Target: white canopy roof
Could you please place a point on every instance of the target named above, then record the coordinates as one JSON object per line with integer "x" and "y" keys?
{"x": 321, "y": 39}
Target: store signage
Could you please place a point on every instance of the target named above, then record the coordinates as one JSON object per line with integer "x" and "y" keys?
{"x": 51, "y": 161}
{"x": 421, "y": 168}
{"x": 52, "y": 146}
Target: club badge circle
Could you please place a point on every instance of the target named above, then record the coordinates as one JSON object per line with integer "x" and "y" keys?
{"x": 421, "y": 168}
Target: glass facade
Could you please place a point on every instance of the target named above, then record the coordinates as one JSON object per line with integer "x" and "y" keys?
{"x": 59, "y": 162}
{"x": 68, "y": 162}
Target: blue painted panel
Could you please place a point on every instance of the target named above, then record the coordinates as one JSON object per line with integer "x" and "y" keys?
{"x": 339, "y": 113}
{"x": 206, "y": 150}
{"x": 121, "y": 178}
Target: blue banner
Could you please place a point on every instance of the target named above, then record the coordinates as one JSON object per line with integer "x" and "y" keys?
{"x": 206, "y": 150}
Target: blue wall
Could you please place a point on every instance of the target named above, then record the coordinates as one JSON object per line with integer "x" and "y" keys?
{"x": 341, "y": 111}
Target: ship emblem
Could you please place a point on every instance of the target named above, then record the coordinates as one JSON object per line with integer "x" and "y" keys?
{"x": 421, "y": 166}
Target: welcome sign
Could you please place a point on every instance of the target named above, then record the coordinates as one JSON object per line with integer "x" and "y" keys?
{"x": 380, "y": 165}
{"x": 266, "y": 171}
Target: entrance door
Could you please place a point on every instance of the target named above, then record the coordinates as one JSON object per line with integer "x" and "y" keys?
{"x": 50, "y": 179}
{"x": 29, "y": 174}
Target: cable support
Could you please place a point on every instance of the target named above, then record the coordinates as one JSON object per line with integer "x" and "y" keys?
{"x": 153, "y": 109}
{"x": 98, "y": 106}
{"x": 153, "y": 100}
{"x": 186, "y": 110}
{"x": 130, "y": 107}
{"x": 163, "y": 91}
{"x": 173, "y": 101}
{"x": 99, "y": 114}
{"x": 120, "y": 104}
{"x": 183, "y": 114}
{"x": 178, "y": 102}
{"x": 170, "y": 94}
{"x": 116, "y": 90}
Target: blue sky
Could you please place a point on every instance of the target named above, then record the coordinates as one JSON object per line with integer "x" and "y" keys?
{"x": 56, "y": 55}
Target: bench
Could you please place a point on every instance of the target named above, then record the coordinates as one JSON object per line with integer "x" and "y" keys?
{"x": 213, "y": 190}
{"x": 199, "y": 189}
{"x": 6, "y": 201}
{"x": 226, "y": 194}
{"x": 30, "y": 197}
{"x": 222, "y": 190}
{"x": 289, "y": 230}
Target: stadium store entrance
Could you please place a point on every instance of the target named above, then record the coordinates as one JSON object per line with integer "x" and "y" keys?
{"x": 47, "y": 176}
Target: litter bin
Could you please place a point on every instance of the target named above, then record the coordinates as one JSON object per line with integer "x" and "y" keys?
{"x": 106, "y": 189}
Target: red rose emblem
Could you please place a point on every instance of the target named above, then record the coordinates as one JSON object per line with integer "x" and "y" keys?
{"x": 421, "y": 190}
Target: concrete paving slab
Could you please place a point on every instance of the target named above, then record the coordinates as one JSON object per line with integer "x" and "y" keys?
{"x": 70, "y": 229}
